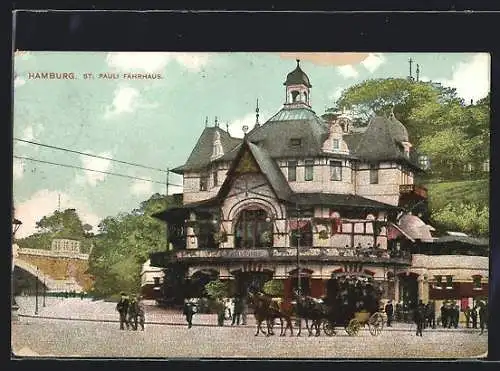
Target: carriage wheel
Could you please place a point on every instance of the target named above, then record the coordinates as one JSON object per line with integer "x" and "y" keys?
{"x": 329, "y": 327}
{"x": 376, "y": 324}
{"x": 353, "y": 327}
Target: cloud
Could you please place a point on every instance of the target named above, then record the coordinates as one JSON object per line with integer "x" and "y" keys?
{"x": 326, "y": 59}
{"x": 235, "y": 126}
{"x": 348, "y": 71}
{"x": 155, "y": 61}
{"x": 471, "y": 79}
{"x": 141, "y": 187}
{"x": 374, "y": 61}
{"x": 19, "y": 81}
{"x": 125, "y": 100}
{"x": 99, "y": 164}
{"x": 18, "y": 168}
{"x": 44, "y": 202}
{"x": 333, "y": 96}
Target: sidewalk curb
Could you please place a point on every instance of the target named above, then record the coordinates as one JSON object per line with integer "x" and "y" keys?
{"x": 183, "y": 324}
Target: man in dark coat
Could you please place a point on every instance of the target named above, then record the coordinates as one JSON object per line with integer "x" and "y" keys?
{"x": 237, "y": 311}
{"x": 467, "y": 312}
{"x": 456, "y": 315}
{"x": 122, "y": 308}
{"x": 189, "y": 311}
{"x": 389, "y": 310}
{"x": 419, "y": 317}
{"x": 473, "y": 316}
{"x": 444, "y": 315}
{"x": 483, "y": 317}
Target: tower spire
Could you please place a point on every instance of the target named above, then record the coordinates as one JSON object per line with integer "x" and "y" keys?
{"x": 418, "y": 72}
{"x": 410, "y": 61}
{"x": 206, "y": 121}
{"x": 298, "y": 62}
{"x": 216, "y": 122}
{"x": 257, "y": 124}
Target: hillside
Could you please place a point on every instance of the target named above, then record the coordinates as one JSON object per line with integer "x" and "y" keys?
{"x": 456, "y": 192}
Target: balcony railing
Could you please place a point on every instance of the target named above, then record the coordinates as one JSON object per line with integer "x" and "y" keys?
{"x": 413, "y": 188}
{"x": 288, "y": 253}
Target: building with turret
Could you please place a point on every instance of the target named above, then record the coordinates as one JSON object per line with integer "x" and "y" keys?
{"x": 300, "y": 199}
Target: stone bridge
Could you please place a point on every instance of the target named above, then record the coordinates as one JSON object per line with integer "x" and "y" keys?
{"x": 54, "y": 270}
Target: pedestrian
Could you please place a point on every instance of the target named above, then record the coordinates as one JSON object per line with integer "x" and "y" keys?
{"x": 444, "y": 315}
{"x": 141, "y": 312}
{"x": 456, "y": 315}
{"x": 122, "y": 308}
{"x": 132, "y": 313}
{"x": 237, "y": 311}
{"x": 189, "y": 311}
{"x": 473, "y": 316}
{"x": 389, "y": 310}
{"x": 419, "y": 315}
{"x": 483, "y": 317}
{"x": 467, "y": 316}
{"x": 244, "y": 306}
{"x": 432, "y": 314}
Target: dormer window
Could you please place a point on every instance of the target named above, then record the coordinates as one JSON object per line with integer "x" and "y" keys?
{"x": 295, "y": 142}
{"x": 336, "y": 144}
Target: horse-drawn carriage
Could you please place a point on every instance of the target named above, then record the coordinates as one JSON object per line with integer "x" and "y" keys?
{"x": 351, "y": 302}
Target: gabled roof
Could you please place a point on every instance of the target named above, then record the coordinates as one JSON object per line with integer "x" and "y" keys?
{"x": 335, "y": 199}
{"x": 200, "y": 155}
{"x": 267, "y": 166}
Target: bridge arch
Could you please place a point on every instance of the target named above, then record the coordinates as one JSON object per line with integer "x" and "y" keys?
{"x": 44, "y": 279}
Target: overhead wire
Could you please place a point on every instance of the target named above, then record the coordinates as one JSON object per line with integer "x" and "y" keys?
{"x": 93, "y": 170}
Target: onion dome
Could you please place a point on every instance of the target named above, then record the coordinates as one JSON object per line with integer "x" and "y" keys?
{"x": 297, "y": 77}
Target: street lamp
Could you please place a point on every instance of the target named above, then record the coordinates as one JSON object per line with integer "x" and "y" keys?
{"x": 16, "y": 224}
{"x": 36, "y": 292}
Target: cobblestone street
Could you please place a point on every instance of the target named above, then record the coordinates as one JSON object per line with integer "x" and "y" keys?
{"x": 92, "y": 331}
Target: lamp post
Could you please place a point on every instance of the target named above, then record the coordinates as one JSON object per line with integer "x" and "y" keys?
{"x": 44, "y": 292}
{"x": 36, "y": 292}
{"x": 16, "y": 224}
{"x": 299, "y": 288}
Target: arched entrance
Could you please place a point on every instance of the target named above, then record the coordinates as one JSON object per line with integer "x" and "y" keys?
{"x": 408, "y": 289}
{"x": 250, "y": 281}
{"x": 198, "y": 281}
{"x": 253, "y": 229}
{"x": 25, "y": 283}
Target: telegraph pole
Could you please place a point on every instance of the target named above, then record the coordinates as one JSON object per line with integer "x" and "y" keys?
{"x": 299, "y": 288}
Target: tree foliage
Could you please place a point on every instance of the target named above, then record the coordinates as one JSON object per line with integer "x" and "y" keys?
{"x": 124, "y": 244}
{"x": 217, "y": 289}
{"x": 60, "y": 224}
{"x": 274, "y": 288}
{"x": 468, "y": 218}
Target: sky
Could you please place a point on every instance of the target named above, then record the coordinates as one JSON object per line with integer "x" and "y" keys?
{"x": 156, "y": 122}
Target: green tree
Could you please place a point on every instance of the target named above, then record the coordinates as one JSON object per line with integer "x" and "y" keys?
{"x": 60, "y": 224}
{"x": 274, "y": 288}
{"x": 469, "y": 218}
{"x": 124, "y": 244}
{"x": 217, "y": 289}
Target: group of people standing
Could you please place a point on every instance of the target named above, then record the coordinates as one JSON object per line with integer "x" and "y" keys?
{"x": 131, "y": 310}
{"x": 471, "y": 315}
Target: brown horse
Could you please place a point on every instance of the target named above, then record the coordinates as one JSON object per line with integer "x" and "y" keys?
{"x": 265, "y": 309}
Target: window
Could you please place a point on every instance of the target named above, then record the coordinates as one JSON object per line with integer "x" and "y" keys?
{"x": 439, "y": 282}
{"x": 216, "y": 179}
{"x": 204, "y": 183}
{"x": 292, "y": 171}
{"x": 295, "y": 142}
{"x": 309, "y": 170}
{"x": 157, "y": 281}
{"x": 253, "y": 230}
{"x": 486, "y": 165}
{"x": 449, "y": 282}
{"x": 335, "y": 170}
{"x": 424, "y": 162}
{"x": 476, "y": 282}
{"x": 373, "y": 174}
{"x": 336, "y": 144}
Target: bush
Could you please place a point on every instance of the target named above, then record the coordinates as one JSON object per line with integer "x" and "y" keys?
{"x": 274, "y": 288}
{"x": 217, "y": 289}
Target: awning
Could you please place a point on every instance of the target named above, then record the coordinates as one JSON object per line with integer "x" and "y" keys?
{"x": 394, "y": 231}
